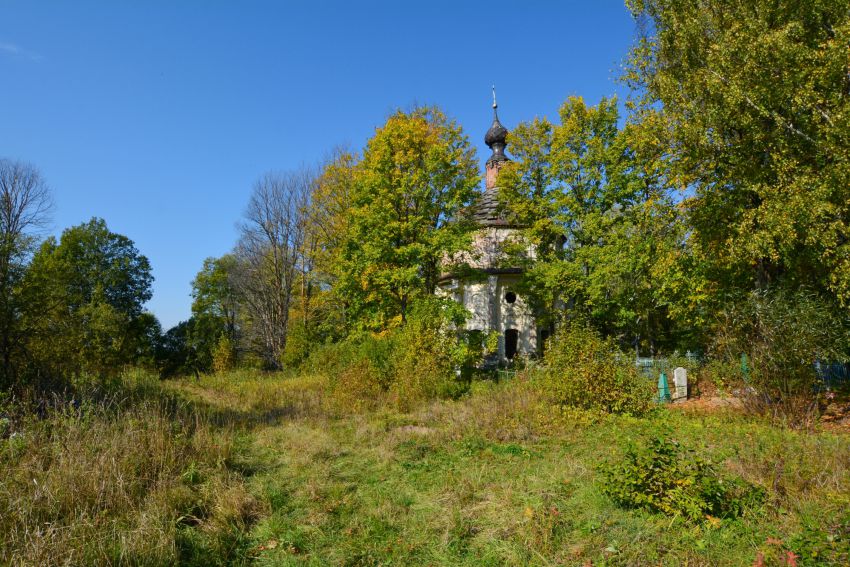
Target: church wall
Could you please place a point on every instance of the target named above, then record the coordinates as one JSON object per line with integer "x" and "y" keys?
{"x": 515, "y": 315}
{"x": 487, "y": 249}
{"x": 487, "y": 303}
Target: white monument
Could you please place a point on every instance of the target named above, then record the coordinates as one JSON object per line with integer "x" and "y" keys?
{"x": 680, "y": 380}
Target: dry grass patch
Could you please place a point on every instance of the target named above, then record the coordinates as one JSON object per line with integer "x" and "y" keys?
{"x": 127, "y": 480}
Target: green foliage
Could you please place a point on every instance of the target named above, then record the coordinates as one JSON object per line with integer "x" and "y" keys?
{"x": 585, "y": 371}
{"x": 174, "y": 355}
{"x": 403, "y": 366}
{"x": 783, "y": 334}
{"x": 417, "y": 173}
{"x": 664, "y": 477}
{"x": 213, "y": 293}
{"x": 215, "y": 310}
{"x": 725, "y": 375}
{"x": 598, "y": 208}
{"x": 298, "y": 344}
{"x": 427, "y": 353}
{"x": 91, "y": 286}
{"x": 333, "y": 358}
{"x": 755, "y": 97}
{"x": 224, "y": 355}
{"x": 475, "y": 346}
{"x": 823, "y": 543}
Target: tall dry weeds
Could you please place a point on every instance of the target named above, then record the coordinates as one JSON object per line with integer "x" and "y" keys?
{"x": 125, "y": 480}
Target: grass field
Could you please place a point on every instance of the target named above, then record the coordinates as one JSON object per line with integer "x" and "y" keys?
{"x": 253, "y": 469}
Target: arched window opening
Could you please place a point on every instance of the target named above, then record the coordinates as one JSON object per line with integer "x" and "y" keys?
{"x": 511, "y": 343}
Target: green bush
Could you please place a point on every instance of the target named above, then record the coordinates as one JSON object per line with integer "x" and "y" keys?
{"x": 664, "y": 477}
{"x": 298, "y": 344}
{"x": 826, "y": 543}
{"x": 725, "y": 375}
{"x": 355, "y": 389}
{"x": 783, "y": 334}
{"x": 406, "y": 364}
{"x": 587, "y": 372}
{"x": 427, "y": 352}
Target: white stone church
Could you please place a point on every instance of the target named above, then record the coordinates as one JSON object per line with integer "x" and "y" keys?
{"x": 491, "y": 295}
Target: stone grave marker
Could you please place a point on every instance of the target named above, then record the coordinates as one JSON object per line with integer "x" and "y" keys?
{"x": 680, "y": 380}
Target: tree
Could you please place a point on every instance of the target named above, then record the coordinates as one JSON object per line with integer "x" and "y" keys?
{"x": 417, "y": 174}
{"x": 756, "y": 95}
{"x": 174, "y": 354}
{"x": 269, "y": 255}
{"x": 599, "y": 211}
{"x": 24, "y": 206}
{"x": 91, "y": 287}
{"x": 325, "y": 314}
{"x": 215, "y": 309}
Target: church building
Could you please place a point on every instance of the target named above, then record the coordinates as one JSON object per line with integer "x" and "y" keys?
{"x": 491, "y": 294}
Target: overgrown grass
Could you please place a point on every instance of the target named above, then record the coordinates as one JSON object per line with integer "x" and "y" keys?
{"x": 492, "y": 481}
{"x": 131, "y": 475}
{"x": 253, "y": 468}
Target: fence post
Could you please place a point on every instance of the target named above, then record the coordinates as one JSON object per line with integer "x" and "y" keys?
{"x": 745, "y": 369}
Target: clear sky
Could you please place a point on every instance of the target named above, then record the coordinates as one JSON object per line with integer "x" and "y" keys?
{"x": 158, "y": 116}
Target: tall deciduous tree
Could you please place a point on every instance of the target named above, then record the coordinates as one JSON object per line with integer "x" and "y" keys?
{"x": 270, "y": 254}
{"x": 757, "y": 97}
{"x": 598, "y": 209}
{"x": 24, "y": 206}
{"x": 91, "y": 287}
{"x": 322, "y": 314}
{"x": 417, "y": 174}
{"x": 215, "y": 310}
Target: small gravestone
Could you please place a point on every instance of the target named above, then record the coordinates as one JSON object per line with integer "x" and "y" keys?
{"x": 680, "y": 380}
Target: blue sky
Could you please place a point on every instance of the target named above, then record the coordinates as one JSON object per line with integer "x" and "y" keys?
{"x": 158, "y": 116}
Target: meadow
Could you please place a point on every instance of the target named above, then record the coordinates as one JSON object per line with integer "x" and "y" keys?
{"x": 250, "y": 468}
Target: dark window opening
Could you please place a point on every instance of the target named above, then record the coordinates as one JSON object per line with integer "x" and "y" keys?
{"x": 543, "y": 337}
{"x": 510, "y": 297}
{"x": 511, "y": 342}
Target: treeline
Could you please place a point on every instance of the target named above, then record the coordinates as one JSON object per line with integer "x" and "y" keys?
{"x": 722, "y": 193}
{"x": 351, "y": 247}
{"x": 713, "y": 217}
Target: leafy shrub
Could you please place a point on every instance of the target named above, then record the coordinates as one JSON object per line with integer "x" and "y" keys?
{"x": 334, "y": 358}
{"x": 223, "y": 355}
{"x": 405, "y": 365}
{"x": 664, "y": 477}
{"x": 783, "y": 334}
{"x": 355, "y": 389}
{"x": 587, "y": 372}
{"x": 824, "y": 543}
{"x": 298, "y": 344}
{"x": 724, "y": 375}
{"x": 427, "y": 352}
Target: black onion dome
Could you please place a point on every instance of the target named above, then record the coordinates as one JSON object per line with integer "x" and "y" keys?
{"x": 497, "y": 136}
